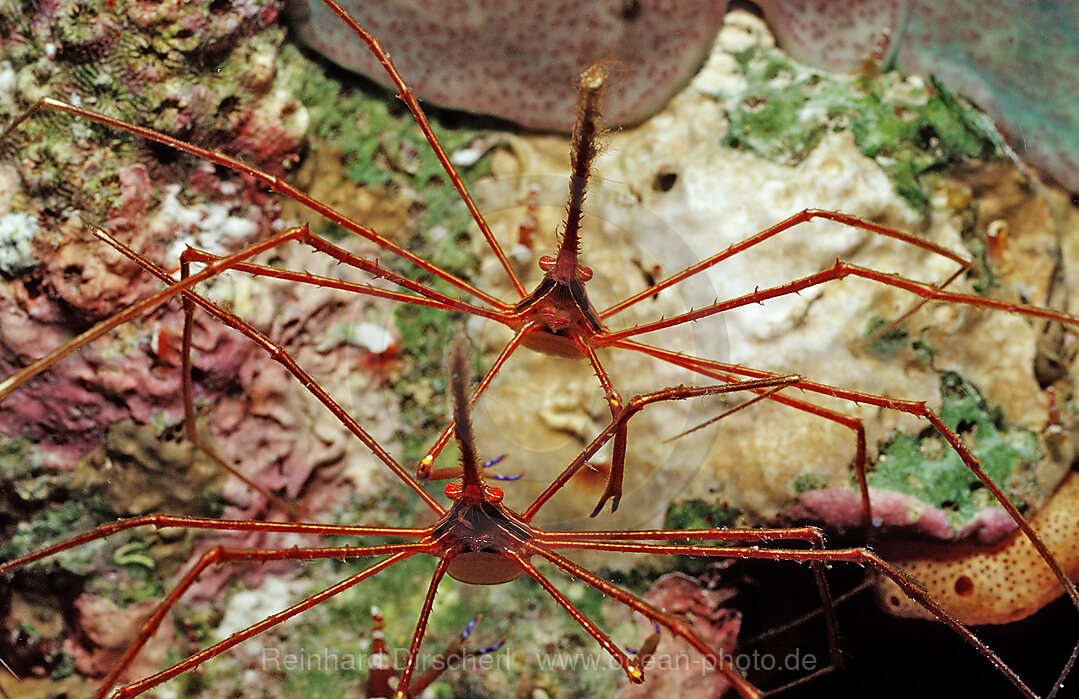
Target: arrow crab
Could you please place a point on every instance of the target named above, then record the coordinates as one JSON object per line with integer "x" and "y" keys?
{"x": 559, "y": 318}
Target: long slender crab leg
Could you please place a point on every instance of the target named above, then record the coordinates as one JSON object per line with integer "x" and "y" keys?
{"x": 633, "y": 407}
{"x": 811, "y": 535}
{"x": 784, "y": 225}
{"x": 164, "y": 521}
{"x": 421, "y": 628}
{"x": 150, "y": 302}
{"x": 857, "y": 556}
{"x": 837, "y": 271}
{"x": 429, "y": 297}
{"x": 630, "y": 667}
{"x": 202, "y": 656}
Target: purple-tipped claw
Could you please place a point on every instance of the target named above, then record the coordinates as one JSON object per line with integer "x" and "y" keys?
{"x": 493, "y": 647}
{"x": 493, "y": 462}
{"x": 498, "y": 476}
{"x": 471, "y": 625}
{"x": 475, "y": 620}
{"x": 634, "y": 651}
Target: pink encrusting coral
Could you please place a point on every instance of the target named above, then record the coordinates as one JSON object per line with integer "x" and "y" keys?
{"x": 520, "y": 60}
{"x": 77, "y": 283}
{"x": 669, "y": 672}
{"x": 894, "y": 512}
{"x": 62, "y": 174}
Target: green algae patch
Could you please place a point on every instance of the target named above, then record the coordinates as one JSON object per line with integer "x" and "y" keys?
{"x": 928, "y": 468}
{"x": 48, "y": 506}
{"x": 808, "y": 481}
{"x": 884, "y": 338}
{"x": 379, "y": 139}
{"x": 21, "y": 466}
{"x": 687, "y": 514}
{"x": 699, "y": 514}
{"x": 911, "y": 130}
{"x": 51, "y": 524}
{"x": 45, "y": 506}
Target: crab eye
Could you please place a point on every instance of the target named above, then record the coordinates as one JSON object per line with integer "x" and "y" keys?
{"x": 455, "y": 491}
{"x": 546, "y": 263}
{"x": 584, "y": 273}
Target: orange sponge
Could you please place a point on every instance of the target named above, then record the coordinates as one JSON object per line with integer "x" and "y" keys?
{"x": 997, "y": 584}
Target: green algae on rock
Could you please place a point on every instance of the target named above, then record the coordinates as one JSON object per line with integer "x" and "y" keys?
{"x": 933, "y": 472}
{"x": 783, "y": 110}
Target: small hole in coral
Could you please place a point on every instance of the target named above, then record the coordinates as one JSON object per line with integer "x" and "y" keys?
{"x": 664, "y": 181}
{"x": 32, "y": 286}
{"x": 228, "y": 104}
{"x": 631, "y": 10}
{"x": 893, "y": 600}
{"x": 964, "y": 586}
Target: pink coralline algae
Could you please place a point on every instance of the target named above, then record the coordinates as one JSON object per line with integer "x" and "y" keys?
{"x": 76, "y": 284}
{"x": 520, "y": 60}
{"x": 667, "y": 673}
{"x": 58, "y": 175}
{"x": 105, "y": 632}
{"x": 895, "y": 512}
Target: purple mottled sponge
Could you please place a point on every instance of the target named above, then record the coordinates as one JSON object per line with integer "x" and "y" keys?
{"x": 521, "y": 61}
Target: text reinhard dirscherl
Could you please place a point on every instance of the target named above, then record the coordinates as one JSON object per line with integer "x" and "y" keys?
{"x": 329, "y": 661}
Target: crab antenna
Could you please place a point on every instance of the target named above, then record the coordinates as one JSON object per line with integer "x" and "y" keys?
{"x": 471, "y": 481}
{"x": 583, "y": 150}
